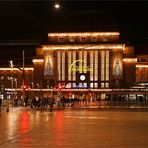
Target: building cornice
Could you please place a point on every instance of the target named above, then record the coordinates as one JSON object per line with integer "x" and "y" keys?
{"x": 86, "y": 46}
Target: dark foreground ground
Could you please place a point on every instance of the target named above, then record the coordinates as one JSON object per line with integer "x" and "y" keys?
{"x": 74, "y": 128}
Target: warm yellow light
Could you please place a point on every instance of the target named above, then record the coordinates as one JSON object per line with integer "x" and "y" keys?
{"x": 123, "y": 47}
{"x": 142, "y": 66}
{"x": 29, "y": 68}
{"x": 75, "y": 47}
{"x": 57, "y": 6}
{"x": 85, "y": 34}
{"x": 38, "y": 60}
{"x": 130, "y": 60}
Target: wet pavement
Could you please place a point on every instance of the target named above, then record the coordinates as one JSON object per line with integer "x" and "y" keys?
{"x": 23, "y": 128}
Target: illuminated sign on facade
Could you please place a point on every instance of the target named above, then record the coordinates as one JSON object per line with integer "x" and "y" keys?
{"x": 73, "y": 67}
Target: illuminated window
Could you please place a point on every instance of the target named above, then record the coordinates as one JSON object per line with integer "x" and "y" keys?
{"x": 63, "y": 66}
{"x": 105, "y": 39}
{"x": 91, "y": 85}
{"x": 74, "y": 72}
{"x": 59, "y": 65}
{"x": 91, "y": 65}
{"x": 85, "y": 85}
{"x": 61, "y": 39}
{"x": 102, "y": 85}
{"x": 95, "y": 85}
{"x": 107, "y": 85}
{"x": 71, "y": 39}
{"x": 69, "y": 85}
{"x": 94, "y": 39}
{"x": 80, "y": 63}
{"x": 69, "y": 63}
{"x": 74, "y": 85}
{"x": 83, "y": 39}
{"x": 107, "y": 65}
{"x": 85, "y": 60}
{"x": 80, "y": 85}
{"x": 102, "y": 65}
{"x": 96, "y": 66}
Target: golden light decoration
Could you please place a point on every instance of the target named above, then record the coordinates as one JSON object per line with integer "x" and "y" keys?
{"x": 57, "y": 6}
{"x": 84, "y": 34}
{"x": 76, "y": 47}
{"x": 141, "y": 66}
{"x": 38, "y": 60}
{"x": 7, "y": 69}
{"x": 130, "y": 60}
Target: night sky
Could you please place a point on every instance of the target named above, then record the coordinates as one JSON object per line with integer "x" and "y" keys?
{"x": 32, "y": 20}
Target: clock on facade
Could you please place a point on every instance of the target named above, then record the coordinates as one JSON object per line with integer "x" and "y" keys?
{"x": 82, "y": 77}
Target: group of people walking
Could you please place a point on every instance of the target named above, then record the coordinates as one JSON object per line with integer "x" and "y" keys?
{"x": 45, "y": 102}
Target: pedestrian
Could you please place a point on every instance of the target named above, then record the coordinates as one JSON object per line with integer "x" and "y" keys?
{"x": 51, "y": 103}
{"x": 7, "y": 106}
{"x": 0, "y": 103}
{"x": 26, "y": 101}
{"x": 15, "y": 100}
{"x": 99, "y": 102}
{"x": 33, "y": 103}
{"x": 58, "y": 101}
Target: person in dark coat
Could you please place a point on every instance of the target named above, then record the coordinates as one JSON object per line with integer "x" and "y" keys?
{"x": 26, "y": 101}
{"x": 0, "y": 103}
{"x": 51, "y": 103}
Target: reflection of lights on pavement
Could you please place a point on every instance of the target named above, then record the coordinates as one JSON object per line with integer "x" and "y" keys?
{"x": 24, "y": 122}
{"x": 25, "y": 140}
{"x": 83, "y": 117}
{"x": 12, "y": 124}
{"x": 59, "y": 129}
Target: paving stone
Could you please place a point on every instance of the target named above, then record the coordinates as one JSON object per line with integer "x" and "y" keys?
{"x": 22, "y": 128}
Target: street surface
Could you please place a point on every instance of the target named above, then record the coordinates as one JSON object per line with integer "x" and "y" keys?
{"x": 23, "y": 128}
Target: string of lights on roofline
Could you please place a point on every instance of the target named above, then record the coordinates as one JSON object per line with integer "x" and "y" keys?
{"x": 84, "y": 34}
{"x": 9, "y": 69}
{"x": 130, "y": 59}
{"x": 107, "y": 46}
{"x": 141, "y": 66}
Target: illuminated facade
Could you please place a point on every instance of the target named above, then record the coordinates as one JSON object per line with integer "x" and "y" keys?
{"x": 77, "y": 62}
{"x": 89, "y": 60}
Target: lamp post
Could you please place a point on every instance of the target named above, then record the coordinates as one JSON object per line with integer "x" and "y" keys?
{"x": 15, "y": 79}
{"x": 2, "y": 86}
{"x": 11, "y": 79}
{"x": 23, "y": 80}
{"x": 32, "y": 88}
{"x": 38, "y": 86}
{"x": 11, "y": 85}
